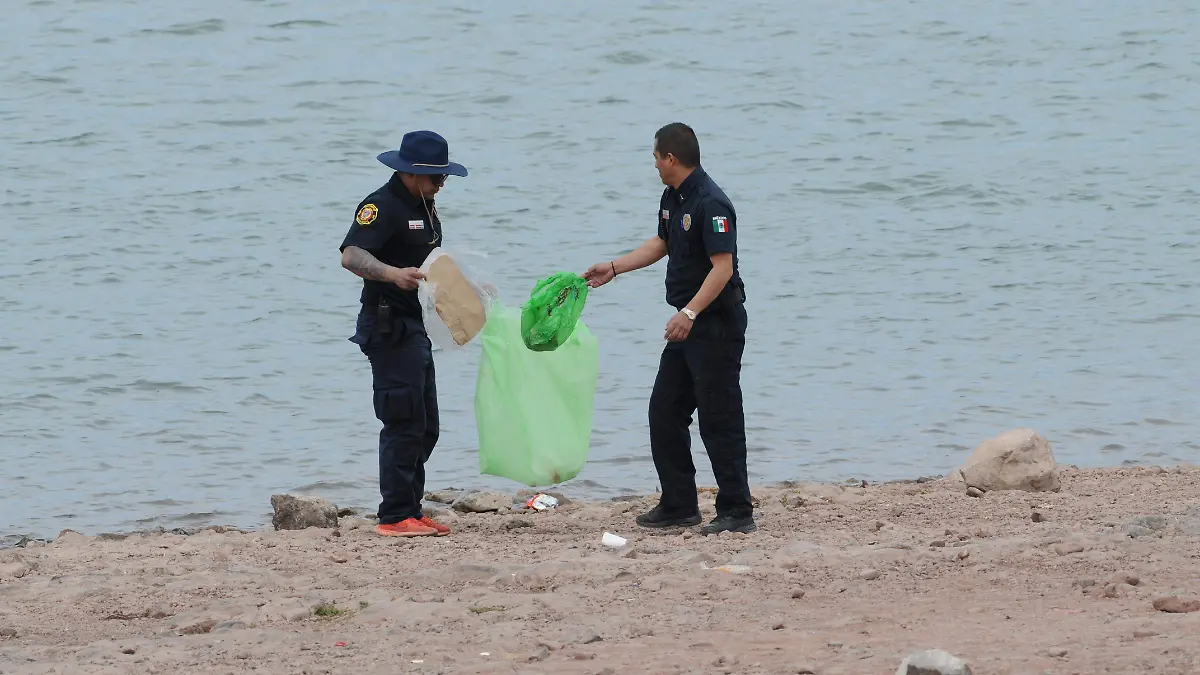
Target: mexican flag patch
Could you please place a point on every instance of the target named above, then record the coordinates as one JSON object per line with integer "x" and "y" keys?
{"x": 720, "y": 224}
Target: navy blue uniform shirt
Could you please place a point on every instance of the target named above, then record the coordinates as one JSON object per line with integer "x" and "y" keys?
{"x": 399, "y": 230}
{"x": 697, "y": 221}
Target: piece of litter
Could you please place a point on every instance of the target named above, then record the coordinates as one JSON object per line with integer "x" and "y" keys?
{"x": 485, "y": 653}
{"x": 541, "y": 502}
{"x": 612, "y": 541}
{"x": 418, "y": 660}
{"x": 339, "y": 644}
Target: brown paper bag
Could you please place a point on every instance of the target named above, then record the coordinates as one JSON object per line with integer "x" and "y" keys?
{"x": 455, "y": 300}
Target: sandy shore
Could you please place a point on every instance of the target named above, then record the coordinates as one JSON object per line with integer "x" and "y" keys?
{"x": 837, "y": 580}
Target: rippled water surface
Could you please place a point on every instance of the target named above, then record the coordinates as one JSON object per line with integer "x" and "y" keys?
{"x": 955, "y": 218}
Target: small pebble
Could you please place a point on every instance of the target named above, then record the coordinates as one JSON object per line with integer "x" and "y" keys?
{"x": 1067, "y": 549}
{"x": 797, "y": 594}
{"x": 1038, "y": 517}
{"x": 1144, "y": 633}
{"x": 1057, "y": 653}
{"x": 974, "y": 492}
{"x": 778, "y": 626}
{"x": 1115, "y": 590}
{"x": 868, "y": 574}
{"x": 1126, "y": 578}
{"x": 339, "y": 558}
{"x": 938, "y": 543}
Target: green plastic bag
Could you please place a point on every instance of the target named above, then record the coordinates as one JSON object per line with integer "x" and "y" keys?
{"x": 533, "y": 409}
{"x": 553, "y": 309}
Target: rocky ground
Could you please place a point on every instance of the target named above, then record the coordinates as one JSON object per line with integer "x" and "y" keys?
{"x": 1095, "y": 578}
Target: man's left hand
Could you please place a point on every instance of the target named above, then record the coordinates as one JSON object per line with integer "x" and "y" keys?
{"x": 678, "y": 328}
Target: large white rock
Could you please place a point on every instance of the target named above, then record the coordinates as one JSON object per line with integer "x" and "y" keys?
{"x": 933, "y": 662}
{"x": 1015, "y": 460}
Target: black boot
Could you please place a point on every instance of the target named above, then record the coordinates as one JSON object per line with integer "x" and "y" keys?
{"x": 729, "y": 524}
{"x": 657, "y": 517}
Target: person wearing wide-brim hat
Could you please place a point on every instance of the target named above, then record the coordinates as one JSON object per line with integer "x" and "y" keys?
{"x": 395, "y": 228}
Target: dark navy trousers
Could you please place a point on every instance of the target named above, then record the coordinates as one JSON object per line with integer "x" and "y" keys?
{"x": 405, "y": 401}
{"x": 702, "y": 374}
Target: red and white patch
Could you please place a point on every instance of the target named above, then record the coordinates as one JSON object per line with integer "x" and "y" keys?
{"x": 416, "y": 224}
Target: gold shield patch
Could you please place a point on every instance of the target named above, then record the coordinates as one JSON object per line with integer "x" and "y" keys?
{"x": 367, "y": 214}
{"x": 687, "y": 222}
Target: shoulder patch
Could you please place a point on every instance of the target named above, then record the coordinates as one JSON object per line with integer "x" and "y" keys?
{"x": 720, "y": 224}
{"x": 367, "y": 214}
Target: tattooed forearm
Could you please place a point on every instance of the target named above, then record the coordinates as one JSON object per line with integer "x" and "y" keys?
{"x": 364, "y": 264}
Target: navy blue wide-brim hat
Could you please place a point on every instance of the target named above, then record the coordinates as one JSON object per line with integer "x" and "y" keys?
{"x": 422, "y": 152}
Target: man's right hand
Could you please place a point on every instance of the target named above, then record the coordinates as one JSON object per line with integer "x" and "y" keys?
{"x": 599, "y": 274}
{"x": 407, "y": 277}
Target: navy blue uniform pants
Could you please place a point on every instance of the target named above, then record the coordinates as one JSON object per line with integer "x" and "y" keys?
{"x": 702, "y": 374}
{"x": 405, "y": 401}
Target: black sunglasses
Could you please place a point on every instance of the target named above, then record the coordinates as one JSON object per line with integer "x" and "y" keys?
{"x": 439, "y": 179}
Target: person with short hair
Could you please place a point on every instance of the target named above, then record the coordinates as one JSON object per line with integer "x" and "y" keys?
{"x": 700, "y": 367}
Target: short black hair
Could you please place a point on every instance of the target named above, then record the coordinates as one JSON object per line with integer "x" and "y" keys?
{"x": 678, "y": 139}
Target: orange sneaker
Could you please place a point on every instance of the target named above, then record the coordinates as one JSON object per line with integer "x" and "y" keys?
{"x": 405, "y": 528}
{"x": 442, "y": 530}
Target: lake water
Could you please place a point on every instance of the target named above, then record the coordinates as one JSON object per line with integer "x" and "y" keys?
{"x": 955, "y": 218}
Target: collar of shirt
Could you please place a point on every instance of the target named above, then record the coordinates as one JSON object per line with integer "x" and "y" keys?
{"x": 689, "y": 184}
{"x": 397, "y": 188}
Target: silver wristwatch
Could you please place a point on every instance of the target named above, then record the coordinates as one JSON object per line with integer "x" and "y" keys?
{"x": 689, "y": 313}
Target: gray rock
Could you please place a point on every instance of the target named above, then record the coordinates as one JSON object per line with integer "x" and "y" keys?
{"x": 483, "y": 502}
{"x": 1190, "y": 527}
{"x": 297, "y": 513}
{"x": 933, "y": 662}
{"x": 1136, "y": 531}
{"x": 1015, "y": 460}
{"x": 1176, "y": 605}
{"x": 8, "y": 632}
{"x": 1156, "y": 523}
{"x": 443, "y": 496}
{"x": 228, "y": 626}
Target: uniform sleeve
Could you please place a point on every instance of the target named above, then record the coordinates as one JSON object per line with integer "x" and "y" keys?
{"x": 371, "y": 228}
{"x": 718, "y": 229}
